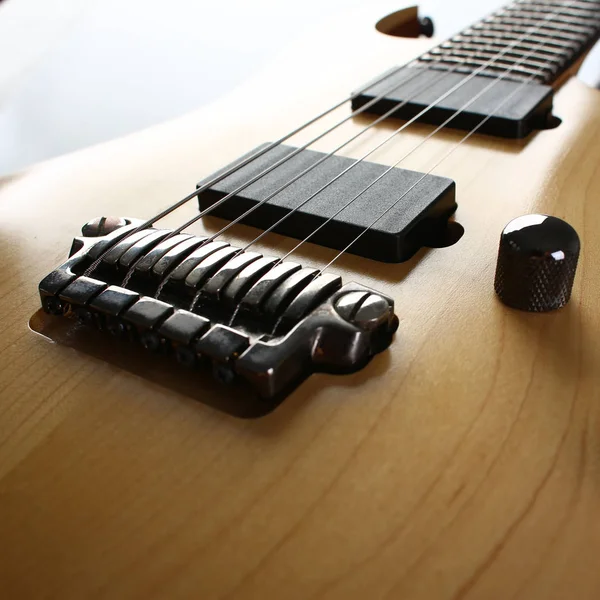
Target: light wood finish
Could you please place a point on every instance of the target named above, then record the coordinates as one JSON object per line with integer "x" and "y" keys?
{"x": 462, "y": 463}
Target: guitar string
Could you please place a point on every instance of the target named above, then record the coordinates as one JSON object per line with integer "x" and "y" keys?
{"x": 394, "y": 165}
{"x": 372, "y": 83}
{"x": 413, "y": 186}
{"x": 363, "y": 157}
{"x": 260, "y": 175}
{"x": 465, "y": 138}
{"x": 190, "y": 222}
{"x": 370, "y": 103}
{"x": 386, "y": 115}
{"x": 437, "y": 164}
{"x": 238, "y": 219}
{"x": 474, "y": 73}
{"x": 234, "y": 168}
{"x": 166, "y": 279}
{"x": 431, "y": 134}
{"x": 256, "y": 178}
{"x": 274, "y": 144}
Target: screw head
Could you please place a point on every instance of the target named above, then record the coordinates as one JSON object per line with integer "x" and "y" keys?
{"x": 53, "y": 305}
{"x": 364, "y": 309}
{"x": 347, "y": 304}
{"x": 223, "y": 373}
{"x": 374, "y": 311}
{"x": 150, "y": 340}
{"x": 116, "y": 327}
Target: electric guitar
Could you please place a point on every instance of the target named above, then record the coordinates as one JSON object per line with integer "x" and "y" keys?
{"x": 275, "y": 350}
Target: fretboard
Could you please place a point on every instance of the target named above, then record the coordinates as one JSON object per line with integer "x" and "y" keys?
{"x": 538, "y": 39}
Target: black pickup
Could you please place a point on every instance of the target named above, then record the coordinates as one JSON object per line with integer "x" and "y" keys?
{"x": 528, "y": 106}
{"x": 414, "y": 207}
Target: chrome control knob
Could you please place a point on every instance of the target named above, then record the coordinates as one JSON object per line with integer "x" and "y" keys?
{"x": 537, "y": 260}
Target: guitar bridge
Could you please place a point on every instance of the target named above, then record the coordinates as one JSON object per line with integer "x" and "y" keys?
{"x": 268, "y": 322}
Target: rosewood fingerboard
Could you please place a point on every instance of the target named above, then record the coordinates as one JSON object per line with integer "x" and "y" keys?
{"x": 544, "y": 39}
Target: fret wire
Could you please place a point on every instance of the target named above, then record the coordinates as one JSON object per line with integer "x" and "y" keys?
{"x": 487, "y": 72}
{"x": 476, "y": 62}
{"x": 509, "y": 34}
{"x": 457, "y": 51}
{"x": 470, "y": 61}
{"x": 475, "y": 41}
{"x": 519, "y": 22}
{"x": 534, "y": 12}
{"x": 556, "y": 34}
{"x": 469, "y": 47}
{"x": 549, "y": 3}
{"x": 475, "y": 58}
{"x": 515, "y": 18}
{"x": 582, "y": 4}
{"x": 579, "y": 21}
{"x": 584, "y": 14}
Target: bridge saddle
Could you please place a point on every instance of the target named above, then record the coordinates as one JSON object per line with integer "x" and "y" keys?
{"x": 268, "y": 322}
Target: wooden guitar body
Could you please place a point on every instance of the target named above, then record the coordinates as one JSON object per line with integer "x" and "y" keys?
{"x": 461, "y": 463}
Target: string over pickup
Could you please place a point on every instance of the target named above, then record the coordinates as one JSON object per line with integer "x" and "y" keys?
{"x": 254, "y": 318}
{"x": 333, "y": 201}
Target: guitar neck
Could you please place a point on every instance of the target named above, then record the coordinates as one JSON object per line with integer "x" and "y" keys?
{"x": 539, "y": 41}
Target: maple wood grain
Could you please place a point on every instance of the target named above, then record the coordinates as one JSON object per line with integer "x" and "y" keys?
{"x": 462, "y": 463}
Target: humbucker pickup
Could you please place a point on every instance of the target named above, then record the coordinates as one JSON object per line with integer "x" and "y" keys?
{"x": 414, "y": 209}
{"x": 268, "y": 322}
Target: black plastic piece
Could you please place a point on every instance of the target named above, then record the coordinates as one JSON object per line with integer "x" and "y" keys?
{"x": 416, "y": 218}
{"x": 529, "y": 107}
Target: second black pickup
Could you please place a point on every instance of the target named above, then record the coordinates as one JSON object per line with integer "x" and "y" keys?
{"x": 399, "y": 214}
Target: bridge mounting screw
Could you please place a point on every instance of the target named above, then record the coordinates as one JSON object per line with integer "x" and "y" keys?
{"x": 366, "y": 311}
{"x": 102, "y": 226}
